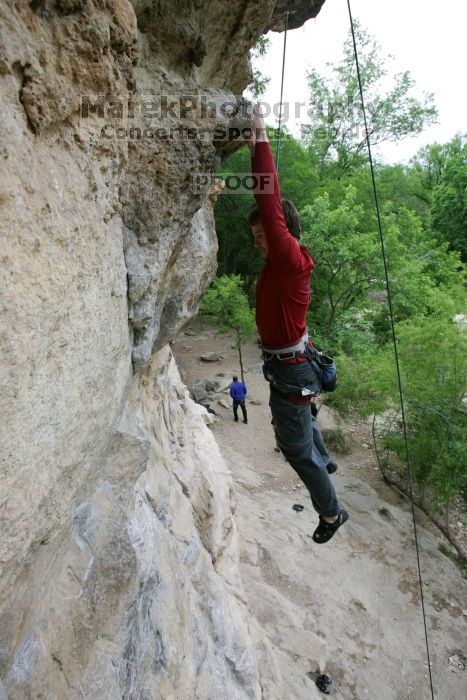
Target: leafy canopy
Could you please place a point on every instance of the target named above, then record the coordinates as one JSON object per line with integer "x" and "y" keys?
{"x": 336, "y": 134}
{"x": 226, "y": 305}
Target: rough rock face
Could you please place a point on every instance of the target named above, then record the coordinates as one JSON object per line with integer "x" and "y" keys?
{"x": 139, "y": 596}
{"x": 117, "y": 548}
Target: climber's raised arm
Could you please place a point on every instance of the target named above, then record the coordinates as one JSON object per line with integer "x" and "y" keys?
{"x": 281, "y": 246}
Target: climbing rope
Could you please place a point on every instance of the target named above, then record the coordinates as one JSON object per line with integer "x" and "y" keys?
{"x": 391, "y": 313}
{"x": 394, "y": 339}
{"x": 286, "y": 23}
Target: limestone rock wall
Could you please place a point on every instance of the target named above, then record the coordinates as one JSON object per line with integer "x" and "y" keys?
{"x": 139, "y": 595}
{"x": 117, "y": 550}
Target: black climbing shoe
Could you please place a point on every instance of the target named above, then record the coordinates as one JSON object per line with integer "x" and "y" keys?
{"x": 246, "y": 422}
{"x": 331, "y": 467}
{"x": 323, "y": 682}
{"x": 325, "y": 531}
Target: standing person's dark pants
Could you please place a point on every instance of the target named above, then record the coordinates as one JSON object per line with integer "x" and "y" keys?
{"x": 236, "y": 404}
{"x": 299, "y": 437}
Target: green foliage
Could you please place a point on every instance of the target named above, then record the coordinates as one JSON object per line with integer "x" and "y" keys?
{"x": 336, "y": 135}
{"x": 337, "y": 440}
{"x": 260, "y": 82}
{"x": 433, "y": 360}
{"x": 449, "y": 202}
{"x": 408, "y": 270}
{"x": 442, "y": 173}
{"x": 384, "y": 512}
{"x": 355, "y": 332}
{"x": 350, "y": 311}
{"x": 236, "y": 253}
{"x": 299, "y": 179}
{"x": 434, "y": 365}
{"x": 430, "y": 161}
{"x": 349, "y": 282}
{"x": 399, "y": 187}
{"x": 345, "y": 257}
{"x": 226, "y": 305}
{"x": 366, "y": 383}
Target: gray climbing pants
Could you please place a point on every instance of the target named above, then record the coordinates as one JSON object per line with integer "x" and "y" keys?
{"x": 318, "y": 440}
{"x": 299, "y": 437}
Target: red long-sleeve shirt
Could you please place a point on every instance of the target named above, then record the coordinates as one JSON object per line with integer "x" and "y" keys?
{"x": 283, "y": 287}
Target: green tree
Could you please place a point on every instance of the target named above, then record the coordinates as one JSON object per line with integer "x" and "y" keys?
{"x": 350, "y": 309}
{"x": 435, "y": 388}
{"x": 299, "y": 180}
{"x": 430, "y": 160}
{"x": 433, "y": 361}
{"x": 449, "y": 201}
{"x": 259, "y": 81}
{"x": 347, "y": 259}
{"x": 336, "y": 136}
{"x": 225, "y": 304}
{"x": 399, "y": 187}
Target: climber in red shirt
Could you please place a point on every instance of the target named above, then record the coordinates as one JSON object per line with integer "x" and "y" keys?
{"x": 282, "y": 300}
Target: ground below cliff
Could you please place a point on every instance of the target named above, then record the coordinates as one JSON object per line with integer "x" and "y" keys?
{"x": 350, "y": 608}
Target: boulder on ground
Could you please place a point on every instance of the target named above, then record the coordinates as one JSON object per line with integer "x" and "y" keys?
{"x": 202, "y": 387}
{"x": 199, "y": 391}
{"x": 210, "y": 357}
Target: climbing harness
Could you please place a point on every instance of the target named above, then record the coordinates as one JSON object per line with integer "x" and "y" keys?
{"x": 289, "y": 352}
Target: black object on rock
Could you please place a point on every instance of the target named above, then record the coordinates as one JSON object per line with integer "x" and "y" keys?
{"x": 298, "y": 507}
{"x": 323, "y": 682}
{"x": 207, "y": 406}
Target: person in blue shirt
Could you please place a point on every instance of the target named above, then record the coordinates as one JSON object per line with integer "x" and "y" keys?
{"x": 238, "y": 392}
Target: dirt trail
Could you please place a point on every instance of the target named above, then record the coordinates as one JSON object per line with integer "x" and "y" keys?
{"x": 351, "y": 607}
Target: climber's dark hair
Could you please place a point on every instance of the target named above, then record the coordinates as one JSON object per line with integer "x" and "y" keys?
{"x": 235, "y": 378}
{"x": 291, "y": 216}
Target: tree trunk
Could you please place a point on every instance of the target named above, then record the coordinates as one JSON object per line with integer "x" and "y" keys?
{"x": 443, "y": 527}
{"x": 373, "y": 432}
{"x": 240, "y": 359}
{"x": 424, "y": 507}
